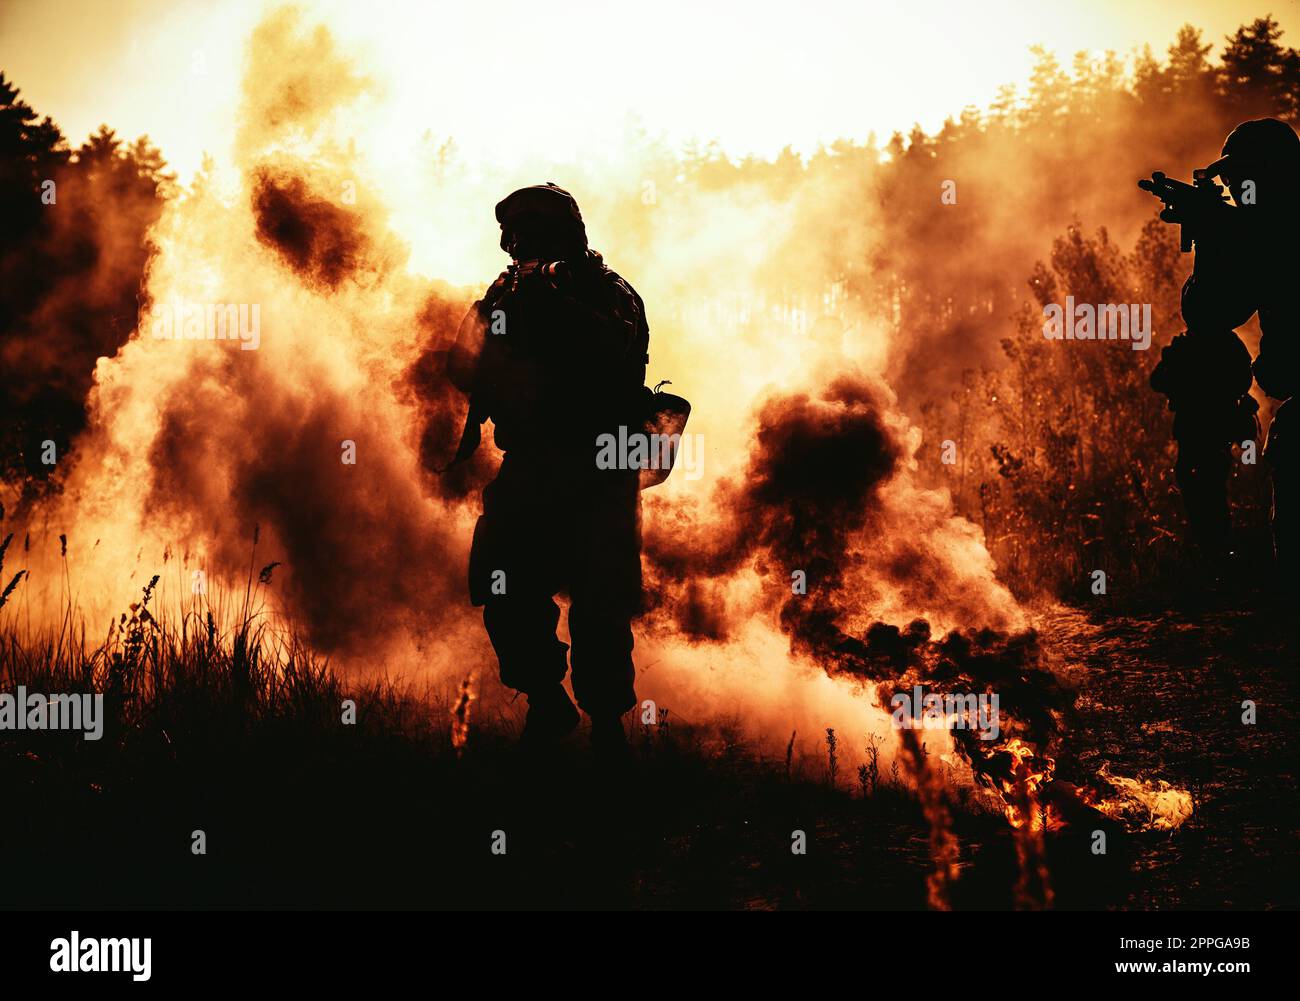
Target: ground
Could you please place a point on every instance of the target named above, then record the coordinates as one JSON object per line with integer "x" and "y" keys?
{"x": 1161, "y": 695}
{"x": 300, "y": 812}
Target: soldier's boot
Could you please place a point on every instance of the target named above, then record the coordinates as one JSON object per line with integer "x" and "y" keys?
{"x": 551, "y": 717}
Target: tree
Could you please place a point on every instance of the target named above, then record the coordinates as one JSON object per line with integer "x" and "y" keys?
{"x": 1258, "y": 74}
{"x": 32, "y": 150}
{"x": 66, "y": 298}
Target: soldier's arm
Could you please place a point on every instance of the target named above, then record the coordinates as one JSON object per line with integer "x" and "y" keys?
{"x": 462, "y": 358}
{"x": 465, "y": 355}
{"x": 1223, "y": 289}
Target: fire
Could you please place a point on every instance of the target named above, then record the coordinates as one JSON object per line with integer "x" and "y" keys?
{"x": 1142, "y": 804}
{"x": 460, "y": 714}
{"x": 1020, "y": 781}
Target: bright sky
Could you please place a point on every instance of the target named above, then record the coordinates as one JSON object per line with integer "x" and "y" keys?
{"x": 562, "y": 78}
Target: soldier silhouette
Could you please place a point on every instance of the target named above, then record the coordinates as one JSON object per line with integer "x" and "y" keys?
{"x": 554, "y": 354}
{"x": 1245, "y": 263}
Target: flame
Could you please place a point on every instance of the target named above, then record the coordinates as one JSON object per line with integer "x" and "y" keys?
{"x": 1143, "y": 804}
{"x": 1019, "y": 785}
{"x": 460, "y": 714}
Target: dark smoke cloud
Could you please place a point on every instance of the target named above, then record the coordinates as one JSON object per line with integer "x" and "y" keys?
{"x": 442, "y": 408}
{"x": 812, "y": 475}
{"x": 243, "y": 443}
{"x": 322, "y": 241}
{"x": 811, "y": 499}
{"x": 363, "y": 555}
{"x": 816, "y": 496}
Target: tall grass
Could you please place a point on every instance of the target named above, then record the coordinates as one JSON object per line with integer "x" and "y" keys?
{"x": 188, "y": 658}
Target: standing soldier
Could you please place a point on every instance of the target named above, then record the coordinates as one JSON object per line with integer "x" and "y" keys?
{"x": 1245, "y": 263}
{"x": 555, "y": 355}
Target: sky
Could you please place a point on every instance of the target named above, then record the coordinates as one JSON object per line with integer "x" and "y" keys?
{"x": 565, "y": 79}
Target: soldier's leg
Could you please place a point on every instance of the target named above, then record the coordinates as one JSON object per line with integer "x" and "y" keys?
{"x": 1206, "y": 375}
{"x": 521, "y": 625}
{"x": 522, "y": 630}
{"x": 1202, "y": 474}
{"x": 512, "y": 578}
{"x": 1280, "y": 455}
{"x": 605, "y": 588}
{"x": 603, "y": 671}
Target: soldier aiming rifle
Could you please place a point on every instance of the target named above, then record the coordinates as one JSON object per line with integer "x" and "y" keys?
{"x": 1244, "y": 263}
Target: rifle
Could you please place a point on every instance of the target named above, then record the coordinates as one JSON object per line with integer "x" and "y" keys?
{"x": 1185, "y": 204}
